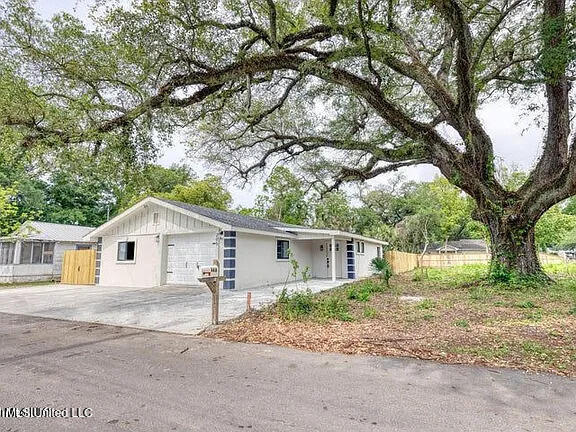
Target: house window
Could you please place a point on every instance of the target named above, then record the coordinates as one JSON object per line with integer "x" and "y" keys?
{"x": 359, "y": 247}
{"x": 126, "y": 250}
{"x": 83, "y": 247}
{"x": 33, "y": 253}
{"x": 36, "y": 253}
{"x": 337, "y": 247}
{"x": 321, "y": 248}
{"x": 48, "y": 253}
{"x": 6, "y": 253}
{"x": 378, "y": 251}
{"x": 282, "y": 247}
{"x": 26, "y": 253}
{"x": 155, "y": 218}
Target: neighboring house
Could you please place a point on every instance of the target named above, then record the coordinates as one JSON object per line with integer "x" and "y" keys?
{"x": 158, "y": 242}
{"x": 35, "y": 251}
{"x": 467, "y": 246}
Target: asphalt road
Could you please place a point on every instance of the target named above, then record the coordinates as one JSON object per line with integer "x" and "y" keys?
{"x": 137, "y": 380}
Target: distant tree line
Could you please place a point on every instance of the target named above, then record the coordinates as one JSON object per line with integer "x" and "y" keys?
{"x": 408, "y": 214}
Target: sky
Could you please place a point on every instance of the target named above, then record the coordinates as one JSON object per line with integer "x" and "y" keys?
{"x": 517, "y": 140}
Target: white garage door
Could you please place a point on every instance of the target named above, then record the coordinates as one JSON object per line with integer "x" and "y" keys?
{"x": 186, "y": 253}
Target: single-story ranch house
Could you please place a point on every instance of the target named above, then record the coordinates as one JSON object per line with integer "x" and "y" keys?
{"x": 158, "y": 242}
{"x": 464, "y": 246}
{"x": 35, "y": 251}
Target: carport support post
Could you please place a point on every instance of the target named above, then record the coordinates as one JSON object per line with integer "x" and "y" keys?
{"x": 333, "y": 258}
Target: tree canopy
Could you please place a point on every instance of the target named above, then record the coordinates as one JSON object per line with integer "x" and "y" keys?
{"x": 349, "y": 90}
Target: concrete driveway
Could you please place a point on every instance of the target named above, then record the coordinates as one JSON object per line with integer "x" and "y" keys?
{"x": 171, "y": 308}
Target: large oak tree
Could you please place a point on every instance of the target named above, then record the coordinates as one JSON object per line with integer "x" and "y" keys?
{"x": 348, "y": 89}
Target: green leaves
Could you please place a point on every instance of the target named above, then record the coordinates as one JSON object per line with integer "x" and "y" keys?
{"x": 208, "y": 192}
{"x": 284, "y": 198}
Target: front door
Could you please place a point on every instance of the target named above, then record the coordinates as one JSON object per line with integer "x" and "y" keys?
{"x": 328, "y": 259}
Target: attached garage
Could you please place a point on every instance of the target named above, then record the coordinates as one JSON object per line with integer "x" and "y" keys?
{"x": 186, "y": 253}
{"x": 162, "y": 242}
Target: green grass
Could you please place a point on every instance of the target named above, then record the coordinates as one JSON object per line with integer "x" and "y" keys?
{"x": 535, "y": 350}
{"x": 526, "y": 304}
{"x": 426, "y": 304}
{"x": 456, "y": 276}
{"x": 462, "y": 323}
{"x": 370, "y": 312}
{"x": 25, "y": 284}
{"x": 485, "y": 352}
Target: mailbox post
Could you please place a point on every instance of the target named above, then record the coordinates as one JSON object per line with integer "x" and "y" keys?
{"x": 211, "y": 277}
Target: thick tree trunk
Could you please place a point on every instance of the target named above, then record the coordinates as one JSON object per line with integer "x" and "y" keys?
{"x": 513, "y": 247}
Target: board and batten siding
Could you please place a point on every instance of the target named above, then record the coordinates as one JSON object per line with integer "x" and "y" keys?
{"x": 149, "y": 267}
{"x": 169, "y": 222}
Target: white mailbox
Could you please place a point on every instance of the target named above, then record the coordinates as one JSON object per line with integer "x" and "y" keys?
{"x": 209, "y": 271}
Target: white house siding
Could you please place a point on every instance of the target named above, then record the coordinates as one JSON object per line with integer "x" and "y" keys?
{"x": 363, "y": 260}
{"x": 319, "y": 267}
{"x": 149, "y": 266}
{"x": 144, "y": 271}
{"x": 256, "y": 262}
{"x": 27, "y": 273}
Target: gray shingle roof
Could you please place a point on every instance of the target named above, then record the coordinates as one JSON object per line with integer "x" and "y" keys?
{"x": 52, "y": 231}
{"x": 235, "y": 219}
{"x": 464, "y": 245}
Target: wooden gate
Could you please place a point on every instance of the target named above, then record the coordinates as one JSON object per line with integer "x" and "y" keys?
{"x": 79, "y": 267}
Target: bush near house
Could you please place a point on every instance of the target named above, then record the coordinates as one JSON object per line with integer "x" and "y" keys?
{"x": 445, "y": 315}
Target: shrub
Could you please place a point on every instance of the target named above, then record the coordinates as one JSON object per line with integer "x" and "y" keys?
{"x": 362, "y": 291}
{"x": 358, "y": 294}
{"x": 303, "y": 304}
{"x": 333, "y": 307}
{"x": 381, "y": 267}
{"x": 296, "y": 305}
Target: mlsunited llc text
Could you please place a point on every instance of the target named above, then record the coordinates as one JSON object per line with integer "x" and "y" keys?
{"x": 44, "y": 412}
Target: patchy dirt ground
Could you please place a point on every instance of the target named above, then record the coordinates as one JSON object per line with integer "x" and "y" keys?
{"x": 440, "y": 316}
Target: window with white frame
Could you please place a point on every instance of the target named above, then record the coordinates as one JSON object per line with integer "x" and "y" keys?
{"x": 126, "y": 251}
{"x": 156, "y": 218}
{"x": 7, "y": 253}
{"x": 37, "y": 252}
{"x": 282, "y": 249}
{"x": 378, "y": 251}
{"x": 360, "y": 247}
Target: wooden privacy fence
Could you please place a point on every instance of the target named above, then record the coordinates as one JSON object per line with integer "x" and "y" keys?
{"x": 403, "y": 261}
{"x": 79, "y": 267}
